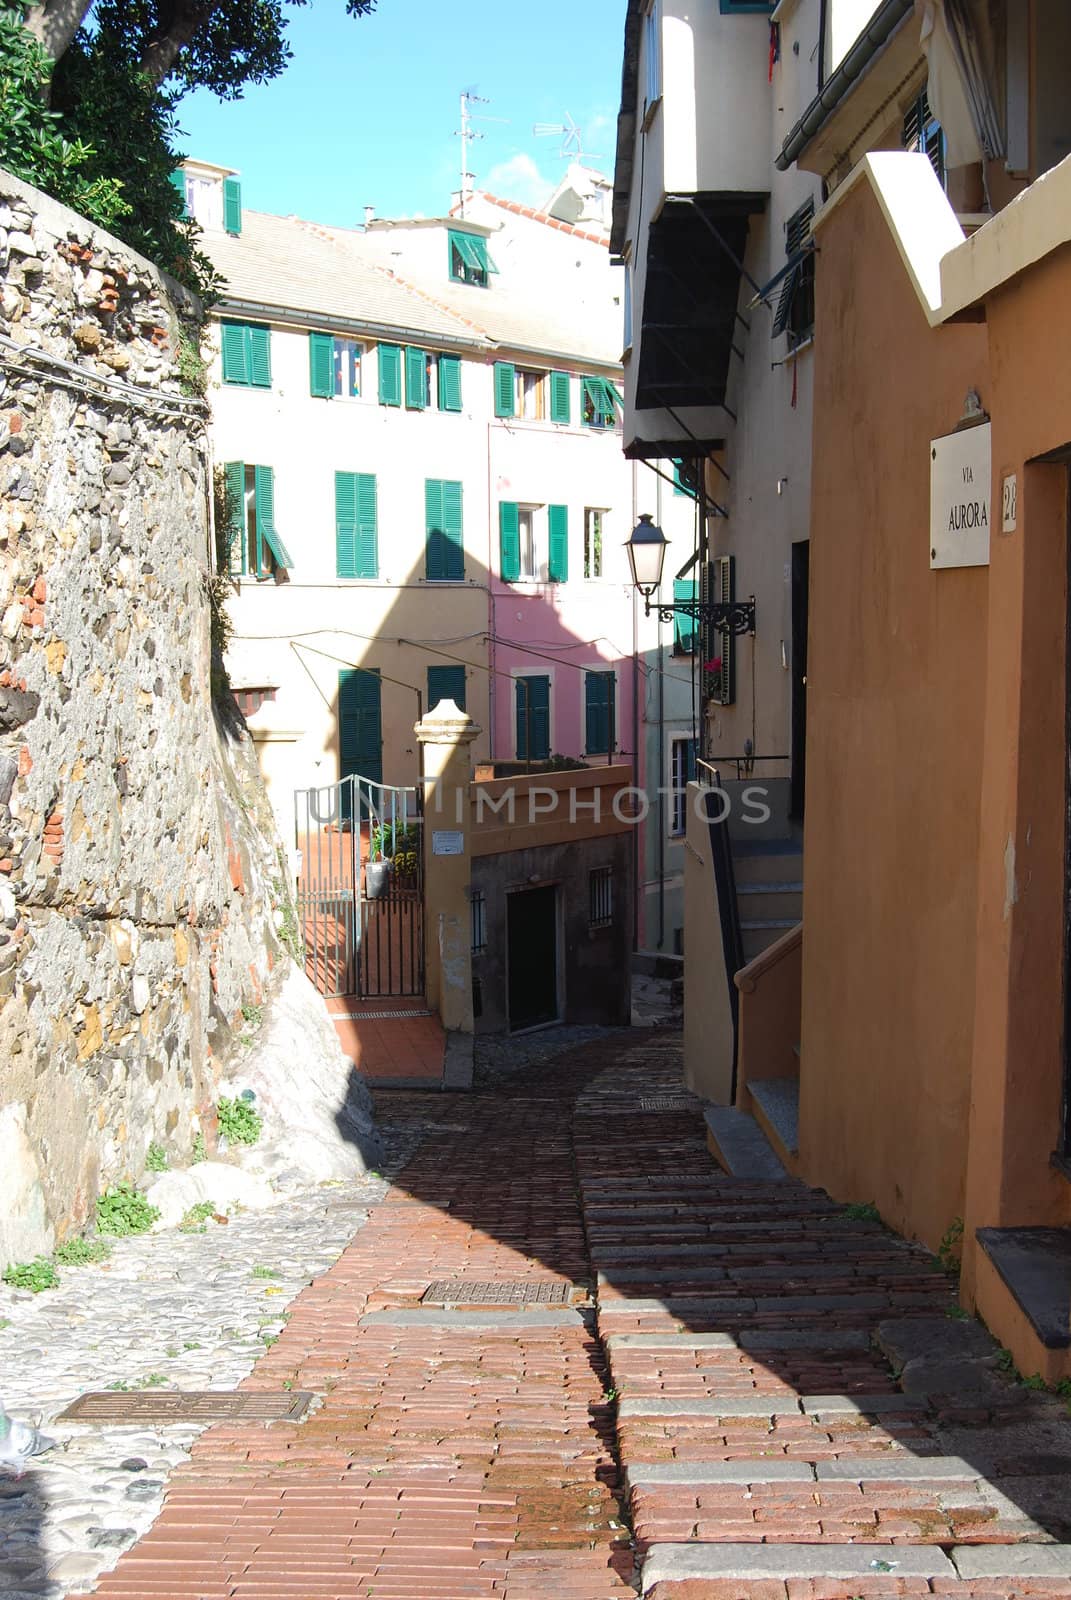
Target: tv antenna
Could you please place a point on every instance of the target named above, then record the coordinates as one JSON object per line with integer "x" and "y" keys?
{"x": 571, "y": 136}
{"x": 466, "y": 133}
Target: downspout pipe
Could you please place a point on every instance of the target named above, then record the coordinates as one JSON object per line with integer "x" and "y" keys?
{"x": 855, "y": 63}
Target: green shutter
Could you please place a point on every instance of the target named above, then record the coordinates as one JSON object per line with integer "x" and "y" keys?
{"x": 560, "y": 410}
{"x": 449, "y": 383}
{"x": 558, "y": 525}
{"x": 684, "y": 627}
{"x": 367, "y": 526}
{"x": 360, "y": 725}
{"x": 444, "y": 553}
{"x": 533, "y": 715}
{"x": 509, "y": 541}
{"x": 505, "y": 388}
{"x": 232, "y": 205}
{"x": 415, "y": 378}
{"x": 235, "y": 351}
{"x": 434, "y": 560}
{"x": 599, "y": 689}
{"x": 356, "y": 525}
{"x": 446, "y": 683}
{"x": 390, "y": 375}
{"x": 452, "y": 527}
{"x": 346, "y": 524}
{"x": 178, "y": 179}
{"x": 267, "y": 533}
{"x": 321, "y": 365}
{"x": 234, "y": 478}
{"x": 259, "y": 356}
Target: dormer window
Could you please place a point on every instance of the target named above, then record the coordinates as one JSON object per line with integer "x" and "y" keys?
{"x": 210, "y": 199}
{"x": 469, "y": 260}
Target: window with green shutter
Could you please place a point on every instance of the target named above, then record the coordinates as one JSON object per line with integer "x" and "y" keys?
{"x": 600, "y": 690}
{"x": 232, "y": 205}
{"x": 449, "y": 383}
{"x": 505, "y": 388}
{"x": 246, "y": 354}
{"x": 360, "y": 725}
{"x": 558, "y": 543}
{"x": 598, "y": 402}
{"x": 272, "y": 554}
{"x": 234, "y": 481}
{"x": 255, "y": 546}
{"x": 416, "y": 379}
{"x": 390, "y": 375}
{"x": 446, "y": 683}
{"x": 684, "y": 626}
{"x": 321, "y": 366}
{"x": 178, "y": 179}
{"x": 533, "y": 718}
{"x": 469, "y": 260}
{"x": 509, "y": 540}
{"x": 560, "y": 407}
{"x": 356, "y": 525}
{"x": 334, "y": 367}
{"x": 444, "y": 552}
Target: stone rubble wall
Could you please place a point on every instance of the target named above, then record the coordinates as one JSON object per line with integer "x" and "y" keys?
{"x": 141, "y": 877}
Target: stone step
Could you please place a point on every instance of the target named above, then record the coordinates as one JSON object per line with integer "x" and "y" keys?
{"x": 759, "y": 933}
{"x": 794, "y": 1251}
{"x": 776, "y": 1104}
{"x": 764, "y": 1405}
{"x": 775, "y": 900}
{"x": 742, "y": 1275}
{"x": 753, "y": 1340}
{"x": 894, "y": 1466}
{"x": 783, "y": 864}
{"x": 508, "y": 1322}
{"x": 739, "y": 1145}
{"x": 865, "y": 1306}
{"x": 783, "y": 1563}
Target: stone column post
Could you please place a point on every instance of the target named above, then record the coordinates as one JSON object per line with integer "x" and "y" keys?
{"x": 445, "y": 736}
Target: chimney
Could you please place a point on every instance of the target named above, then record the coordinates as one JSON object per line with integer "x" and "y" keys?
{"x": 369, "y": 213}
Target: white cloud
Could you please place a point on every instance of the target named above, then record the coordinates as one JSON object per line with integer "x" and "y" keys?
{"x": 518, "y": 179}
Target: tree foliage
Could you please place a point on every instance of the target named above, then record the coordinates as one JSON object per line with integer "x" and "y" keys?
{"x": 88, "y": 104}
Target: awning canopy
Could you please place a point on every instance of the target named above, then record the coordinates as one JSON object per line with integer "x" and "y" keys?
{"x": 695, "y": 252}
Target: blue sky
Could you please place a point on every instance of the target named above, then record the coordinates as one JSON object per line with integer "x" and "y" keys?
{"x": 366, "y": 111}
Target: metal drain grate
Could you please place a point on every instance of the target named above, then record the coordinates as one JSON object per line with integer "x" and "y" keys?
{"x": 471, "y": 1292}
{"x": 666, "y": 1102}
{"x": 188, "y": 1405}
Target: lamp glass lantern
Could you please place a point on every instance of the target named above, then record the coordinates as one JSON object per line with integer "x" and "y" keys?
{"x": 646, "y": 546}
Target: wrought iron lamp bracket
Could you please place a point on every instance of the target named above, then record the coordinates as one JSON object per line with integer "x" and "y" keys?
{"x": 738, "y": 616}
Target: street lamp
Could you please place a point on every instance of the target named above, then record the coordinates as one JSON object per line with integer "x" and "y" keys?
{"x": 646, "y": 546}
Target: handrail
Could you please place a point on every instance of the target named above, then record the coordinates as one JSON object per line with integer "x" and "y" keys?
{"x": 747, "y": 978}
{"x": 738, "y": 762}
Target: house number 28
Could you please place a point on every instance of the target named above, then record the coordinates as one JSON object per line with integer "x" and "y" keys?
{"x": 1009, "y": 499}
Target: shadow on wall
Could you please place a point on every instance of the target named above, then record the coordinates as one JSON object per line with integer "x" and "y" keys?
{"x": 351, "y": 1119}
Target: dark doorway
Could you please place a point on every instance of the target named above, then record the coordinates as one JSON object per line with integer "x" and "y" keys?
{"x": 532, "y": 957}
{"x": 800, "y": 587}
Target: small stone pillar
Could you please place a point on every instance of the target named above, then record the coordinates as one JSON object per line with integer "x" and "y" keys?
{"x": 445, "y": 736}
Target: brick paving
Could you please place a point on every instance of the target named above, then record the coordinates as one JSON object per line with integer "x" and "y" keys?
{"x": 723, "y": 1397}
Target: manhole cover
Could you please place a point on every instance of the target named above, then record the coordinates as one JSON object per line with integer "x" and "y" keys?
{"x": 471, "y": 1292}
{"x": 666, "y": 1102}
{"x": 189, "y": 1405}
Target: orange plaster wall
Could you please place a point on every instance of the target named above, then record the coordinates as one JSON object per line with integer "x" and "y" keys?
{"x": 1019, "y": 1021}
{"x": 896, "y": 699}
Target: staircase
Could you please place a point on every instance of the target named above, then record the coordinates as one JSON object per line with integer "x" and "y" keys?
{"x": 769, "y": 889}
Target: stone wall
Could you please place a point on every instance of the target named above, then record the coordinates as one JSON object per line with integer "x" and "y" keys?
{"x": 141, "y": 879}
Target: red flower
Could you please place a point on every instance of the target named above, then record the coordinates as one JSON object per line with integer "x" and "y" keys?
{"x": 715, "y": 665}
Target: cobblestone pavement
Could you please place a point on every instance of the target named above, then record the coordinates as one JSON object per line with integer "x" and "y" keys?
{"x": 169, "y": 1310}
{"x": 721, "y": 1425}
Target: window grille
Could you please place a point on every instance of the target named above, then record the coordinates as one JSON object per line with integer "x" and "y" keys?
{"x": 601, "y": 897}
{"x": 478, "y": 906}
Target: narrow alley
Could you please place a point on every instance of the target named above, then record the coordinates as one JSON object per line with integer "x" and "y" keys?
{"x": 729, "y": 1405}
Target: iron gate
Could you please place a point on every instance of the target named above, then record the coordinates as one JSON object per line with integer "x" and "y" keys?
{"x": 360, "y": 892}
